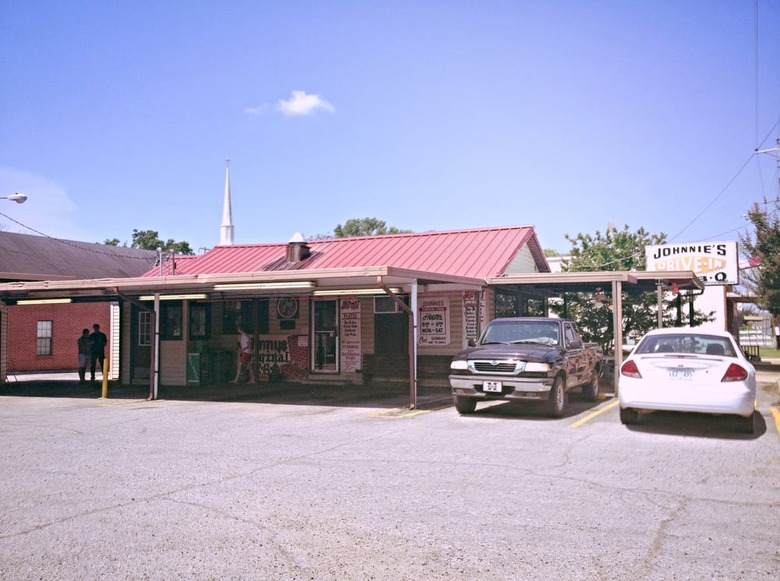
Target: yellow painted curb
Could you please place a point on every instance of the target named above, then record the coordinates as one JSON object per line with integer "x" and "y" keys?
{"x": 776, "y": 416}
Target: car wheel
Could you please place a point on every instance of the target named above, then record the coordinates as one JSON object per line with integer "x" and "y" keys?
{"x": 465, "y": 405}
{"x": 745, "y": 424}
{"x": 628, "y": 416}
{"x": 591, "y": 390}
{"x": 556, "y": 402}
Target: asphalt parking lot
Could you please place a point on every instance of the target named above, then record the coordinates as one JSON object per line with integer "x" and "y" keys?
{"x": 276, "y": 482}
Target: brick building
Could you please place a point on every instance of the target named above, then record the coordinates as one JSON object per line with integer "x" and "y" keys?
{"x": 42, "y": 337}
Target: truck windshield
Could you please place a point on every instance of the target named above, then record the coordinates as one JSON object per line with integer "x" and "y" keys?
{"x": 542, "y": 332}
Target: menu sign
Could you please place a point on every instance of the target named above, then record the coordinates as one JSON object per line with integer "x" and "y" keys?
{"x": 350, "y": 334}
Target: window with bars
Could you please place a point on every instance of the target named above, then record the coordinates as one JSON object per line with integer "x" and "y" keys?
{"x": 44, "y": 338}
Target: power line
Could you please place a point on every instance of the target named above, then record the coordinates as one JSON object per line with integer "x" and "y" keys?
{"x": 79, "y": 246}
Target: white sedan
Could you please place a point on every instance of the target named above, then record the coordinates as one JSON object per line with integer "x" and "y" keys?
{"x": 683, "y": 369}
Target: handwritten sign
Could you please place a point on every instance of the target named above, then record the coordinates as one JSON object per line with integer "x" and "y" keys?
{"x": 350, "y": 334}
{"x": 470, "y": 322}
{"x": 434, "y": 320}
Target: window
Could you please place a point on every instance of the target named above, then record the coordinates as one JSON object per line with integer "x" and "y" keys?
{"x": 251, "y": 314}
{"x": 200, "y": 324}
{"x": 170, "y": 320}
{"x": 144, "y": 328}
{"x": 235, "y": 312}
{"x": 386, "y": 305}
{"x": 44, "y": 336}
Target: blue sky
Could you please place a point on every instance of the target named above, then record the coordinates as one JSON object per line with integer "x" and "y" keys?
{"x": 435, "y": 115}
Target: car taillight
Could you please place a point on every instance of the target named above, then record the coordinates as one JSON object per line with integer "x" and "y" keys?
{"x": 735, "y": 373}
{"x": 629, "y": 369}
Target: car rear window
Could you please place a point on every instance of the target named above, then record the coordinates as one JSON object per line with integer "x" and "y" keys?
{"x": 698, "y": 344}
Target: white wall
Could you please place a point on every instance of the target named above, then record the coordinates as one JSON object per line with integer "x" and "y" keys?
{"x": 713, "y": 299}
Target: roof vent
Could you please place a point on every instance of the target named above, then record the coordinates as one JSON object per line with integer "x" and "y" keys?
{"x": 297, "y": 249}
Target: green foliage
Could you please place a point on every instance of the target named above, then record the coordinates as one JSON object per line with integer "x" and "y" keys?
{"x": 616, "y": 250}
{"x": 149, "y": 240}
{"x": 762, "y": 249}
{"x": 613, "y": 250}
{"x": 551, "y": 252}
{"x": 365, "y": 227}
{"x": 112, "y": 242}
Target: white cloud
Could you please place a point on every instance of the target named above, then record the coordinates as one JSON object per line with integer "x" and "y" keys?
{"x": 256, "y": 110}
{"x": 301, "y": 104}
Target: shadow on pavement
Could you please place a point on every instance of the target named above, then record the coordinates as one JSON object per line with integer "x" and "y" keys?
{"x": 336, "y": 395}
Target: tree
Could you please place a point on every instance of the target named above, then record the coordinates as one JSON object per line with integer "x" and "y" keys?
{"x": 615, "y": 250}
{"x": 365, "y": 227}
{"x": 149, "y": 240}
{"x": 762, "y": 250}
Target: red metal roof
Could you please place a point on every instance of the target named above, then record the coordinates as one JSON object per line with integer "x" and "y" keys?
{"x": 477, "y": 253}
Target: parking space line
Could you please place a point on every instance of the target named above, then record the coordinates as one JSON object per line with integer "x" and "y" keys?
{"x": 117, "y": 402}
{"x": 396, "y": 413}
{"x": 776, "y": 415}
{"x": 592, "y": 415}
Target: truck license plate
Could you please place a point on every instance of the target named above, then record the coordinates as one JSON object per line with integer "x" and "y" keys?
{"x": 491, "y": 386}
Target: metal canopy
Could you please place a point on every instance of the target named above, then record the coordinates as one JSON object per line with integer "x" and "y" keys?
{"x": 213, "y": 284}
{"x": 557, "y": 283}
{"x": 614, "y": 282}
{"x": 223, "y": 286}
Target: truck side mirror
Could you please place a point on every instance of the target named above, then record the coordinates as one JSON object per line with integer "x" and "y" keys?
{"x": 472, "y": 343}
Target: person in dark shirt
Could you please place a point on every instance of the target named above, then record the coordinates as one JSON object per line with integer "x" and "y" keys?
{"x": 97, "y": 342}
{"x": 84, "y": 354}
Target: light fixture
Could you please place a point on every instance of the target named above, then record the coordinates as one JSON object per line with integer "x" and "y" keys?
{"x": 301, "y": 284}
{"x": 353, "y": 292}
{"x": 190, "y": 297}
{"x": 18, "y": 198}
{"x": 43, "y": 302}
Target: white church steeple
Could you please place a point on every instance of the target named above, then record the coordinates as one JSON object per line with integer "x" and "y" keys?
{"x": 226, "y": 229}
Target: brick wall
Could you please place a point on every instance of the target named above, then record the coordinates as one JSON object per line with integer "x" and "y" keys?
{"x": 67, "y": 323}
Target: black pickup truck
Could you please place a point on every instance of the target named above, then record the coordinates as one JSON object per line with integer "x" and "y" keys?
{"x": 526, "y": 358}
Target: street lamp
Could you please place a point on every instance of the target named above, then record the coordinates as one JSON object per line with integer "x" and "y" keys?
{"x": 18, "y": 198}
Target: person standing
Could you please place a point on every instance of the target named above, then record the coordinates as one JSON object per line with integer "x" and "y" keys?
{"x": 244, "y": 357}
{"x": 97, "y": 342}
{"x": 84, "y": 355}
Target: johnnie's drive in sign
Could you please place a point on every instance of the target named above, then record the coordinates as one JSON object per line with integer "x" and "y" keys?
{"x": 713, "y": 262}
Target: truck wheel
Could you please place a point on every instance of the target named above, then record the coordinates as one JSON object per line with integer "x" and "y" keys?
{"x": 628, "y": 416}
{"x": 591, "y": 390}
{"x": 556, "y": 402}
{"x": 465, "y": 405}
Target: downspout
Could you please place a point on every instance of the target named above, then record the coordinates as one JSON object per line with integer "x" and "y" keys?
{"x": 156, "y": 348}
{"x": 413, "y": 332}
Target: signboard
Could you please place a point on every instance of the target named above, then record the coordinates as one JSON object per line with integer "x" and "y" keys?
{"x": 715, "y": 263}
{"x": 470, "y": 326}
{"x": 434, "y": 321}
{"x": 350, "y": 334}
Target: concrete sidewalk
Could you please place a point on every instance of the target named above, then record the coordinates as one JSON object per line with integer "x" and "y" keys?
{"x": 383, "y": 395}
